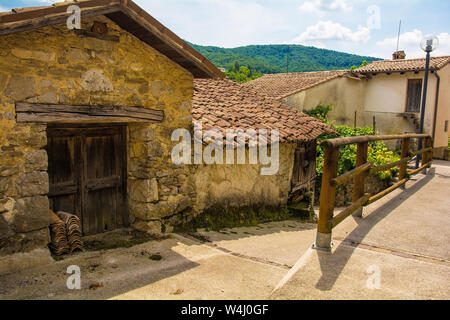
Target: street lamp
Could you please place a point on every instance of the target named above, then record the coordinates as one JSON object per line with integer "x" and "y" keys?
{"x": 428, "y": 44}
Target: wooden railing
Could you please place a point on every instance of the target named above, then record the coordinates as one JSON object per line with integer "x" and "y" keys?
{"x": 330, "y": 180}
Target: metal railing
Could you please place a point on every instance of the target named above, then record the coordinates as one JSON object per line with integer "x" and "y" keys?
{"x": 330, "y": 180}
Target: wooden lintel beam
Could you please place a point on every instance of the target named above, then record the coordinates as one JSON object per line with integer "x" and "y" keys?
{"x": 39, "y": 22}
{"x": 44, "y": 113}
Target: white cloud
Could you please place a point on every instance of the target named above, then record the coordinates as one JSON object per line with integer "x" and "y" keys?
{"x": 320, "y": 7}
{"x": 328, "y": 30}
{"x": 3, "y": 9}
{"x": 218, "y": 22}
{"x": 410, "y": 42}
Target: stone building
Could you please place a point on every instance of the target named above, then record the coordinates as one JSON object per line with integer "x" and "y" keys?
{"x": 222, "y": 104}
{"x": 86, "y": 123}
{"x": 86, "y": 117}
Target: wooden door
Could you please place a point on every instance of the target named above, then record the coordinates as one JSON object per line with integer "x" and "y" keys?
{"x": 304, "y": 164}
{"x": 87, "y": 170}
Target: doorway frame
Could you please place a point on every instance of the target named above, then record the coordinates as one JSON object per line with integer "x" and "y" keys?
{"x": 123, "y": 158}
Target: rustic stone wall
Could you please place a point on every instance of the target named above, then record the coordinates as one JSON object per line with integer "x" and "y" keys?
{"x": 240, "y": 186}
{"x": 54, "y": 65}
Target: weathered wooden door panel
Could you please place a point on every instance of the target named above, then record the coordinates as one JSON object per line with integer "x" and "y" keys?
{"x": 304, "y": 164}
{"x": 63, "y": 151}
{"x": 87, "y": 169}
{"x": 103, "y": 180}
{"x": 102, "y": 211}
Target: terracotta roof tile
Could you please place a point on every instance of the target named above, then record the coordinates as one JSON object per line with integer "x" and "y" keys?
{"x": 224, "y": 104}
{"x": 404, "y": 65}
{"x": 281, "y": 85}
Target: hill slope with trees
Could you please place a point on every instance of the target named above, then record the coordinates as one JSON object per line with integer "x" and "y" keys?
{"x": 262, "y": 59}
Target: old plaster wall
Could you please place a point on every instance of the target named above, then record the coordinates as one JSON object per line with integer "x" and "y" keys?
{"x": 239, "y": 186}
{"x": 345, "y": 95}
{"x": 386, "y": 97}
{"x": 442, "y": 133}
{"x": 54, "y": 65}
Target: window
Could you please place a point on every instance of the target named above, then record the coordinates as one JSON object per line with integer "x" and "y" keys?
{"x": 446, "y": 126}
{"x": 414, "y": 95}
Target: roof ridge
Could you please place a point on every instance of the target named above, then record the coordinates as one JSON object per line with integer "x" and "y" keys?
{"x": 413, "y": 59}
{"x": 279, "y": 86}
{"x": 302, "y": 72}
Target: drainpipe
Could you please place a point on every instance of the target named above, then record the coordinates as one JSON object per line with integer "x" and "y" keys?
{"x": 436, "y": 104}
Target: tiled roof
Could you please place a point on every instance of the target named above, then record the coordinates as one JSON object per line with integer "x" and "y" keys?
{"x": 281, "y": 85}
{"x": 403, "y": 65}
{"x": 224, "y": 104}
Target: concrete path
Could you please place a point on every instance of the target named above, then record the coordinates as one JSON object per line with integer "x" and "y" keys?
{"x": 400, "y": 250}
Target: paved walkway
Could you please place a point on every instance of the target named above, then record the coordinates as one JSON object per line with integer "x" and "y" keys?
{"x": 400, "y": 250}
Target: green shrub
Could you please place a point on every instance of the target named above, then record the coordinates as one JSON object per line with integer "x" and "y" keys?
{"x": 378, "y": 154}
{"x": 320, "y": 112}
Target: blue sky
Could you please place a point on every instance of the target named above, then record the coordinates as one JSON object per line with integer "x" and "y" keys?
{"x": 366, "y": 27}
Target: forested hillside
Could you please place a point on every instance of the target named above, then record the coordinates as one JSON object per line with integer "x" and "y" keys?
{"x": 264, "y": 59}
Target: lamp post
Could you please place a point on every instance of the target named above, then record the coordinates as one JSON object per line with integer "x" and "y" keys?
{"x": 429, "y": 44}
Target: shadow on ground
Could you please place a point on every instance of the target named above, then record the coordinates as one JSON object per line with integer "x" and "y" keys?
{"x": 331, "y": 266}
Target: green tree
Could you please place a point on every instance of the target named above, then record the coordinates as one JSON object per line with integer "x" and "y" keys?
{"x": 243, "y": 74}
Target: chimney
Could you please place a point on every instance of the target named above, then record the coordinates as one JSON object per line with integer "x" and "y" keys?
{"x": 399, "y": 55}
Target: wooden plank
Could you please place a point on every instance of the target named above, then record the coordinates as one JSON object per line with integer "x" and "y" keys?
{"x": 425, "y": 166}
{"x": 340, "y": 142}
{"x": 387, "y": 191}
{"x": 59, "y": 190}
{"x": 39, "y": 22}
{"x": 42, "y": 113}
{"x": 388, "y": 166}
{"x": 103, "y": 183}
{"x": 83, "y": 178}
{"x": 123, "y": 158}
{"x": 147, "y": 21}
{"x": 413, "y": 154}
{"x": 351, "y": 174}
{"x": 40, "y": 12}
{"x": 347, "y": 212}
{"x": 90, "y": 34}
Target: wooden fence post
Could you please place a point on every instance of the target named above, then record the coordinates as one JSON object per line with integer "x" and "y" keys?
{"x": 406, "y": 142}
{"x": 327, "y": 198}
{"x": 428, "y": 156}
{"x": 359, "y": 182}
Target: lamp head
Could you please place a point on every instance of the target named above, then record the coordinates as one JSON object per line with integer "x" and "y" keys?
{"x": 429, "y": 43}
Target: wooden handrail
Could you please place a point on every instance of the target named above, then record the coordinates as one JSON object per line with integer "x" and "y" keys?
{"x": 388, "y": 166}
{"x": 342, "y": 179}
{"x": 330, "y": 181}
{"x": 340, "y": 142}
{"x": 414, "y": 172}
{"x": 413, "y": 154}
{"x": 388, "y": 190}
{"x": 347, "y": 212}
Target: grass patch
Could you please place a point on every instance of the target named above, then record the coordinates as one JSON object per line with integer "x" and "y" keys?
{"x": 128, "y": 240}
{"x": 218, "y": 218}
